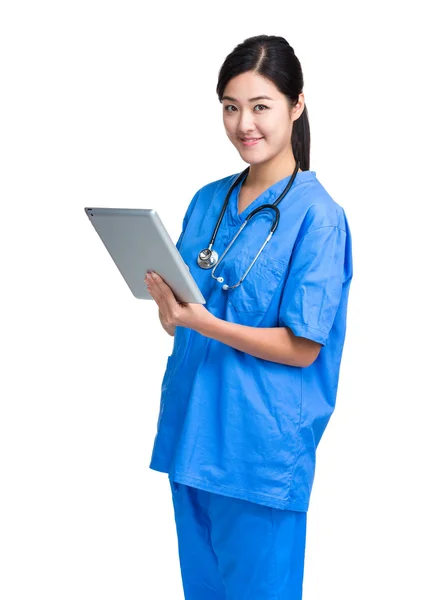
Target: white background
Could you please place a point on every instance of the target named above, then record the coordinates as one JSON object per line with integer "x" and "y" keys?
{"x": 114, "y": 104}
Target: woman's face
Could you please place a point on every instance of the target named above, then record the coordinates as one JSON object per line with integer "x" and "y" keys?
{"x": 257, "y": 117}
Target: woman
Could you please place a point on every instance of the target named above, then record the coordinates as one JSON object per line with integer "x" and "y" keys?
{"x": 252, "y": 380}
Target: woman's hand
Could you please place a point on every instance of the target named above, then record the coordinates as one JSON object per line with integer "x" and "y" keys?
{"x": 173, "y": 313}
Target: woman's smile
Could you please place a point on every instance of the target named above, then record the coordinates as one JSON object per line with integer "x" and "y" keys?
{"x": 250, "y": 141}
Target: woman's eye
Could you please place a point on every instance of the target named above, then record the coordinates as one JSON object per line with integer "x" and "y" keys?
{"x": 231, "y": 108}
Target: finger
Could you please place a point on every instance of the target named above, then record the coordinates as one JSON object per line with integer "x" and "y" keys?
{"x": 149, "y": 287}
{"x": 156, "y": 282}
{"x": 151, "y": 293}
{"x": 163, "y": 293}
{"x": 159, "y": 291}
{"x": 155, "y": 278}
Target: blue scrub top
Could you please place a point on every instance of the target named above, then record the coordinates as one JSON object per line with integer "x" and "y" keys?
{"x": 232, "y": 423}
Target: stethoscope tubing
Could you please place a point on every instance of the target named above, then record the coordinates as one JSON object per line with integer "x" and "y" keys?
{"x": 209, "y": 252}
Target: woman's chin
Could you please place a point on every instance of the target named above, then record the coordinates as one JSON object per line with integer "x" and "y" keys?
{"x": 252, "y": 160}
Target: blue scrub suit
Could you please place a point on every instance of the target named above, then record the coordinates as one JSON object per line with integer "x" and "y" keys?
{"x": 231, "y": 423}
{"x": 232, "y": 549}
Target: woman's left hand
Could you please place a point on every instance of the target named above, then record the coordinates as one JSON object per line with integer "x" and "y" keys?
{"x": 174, "y": 313}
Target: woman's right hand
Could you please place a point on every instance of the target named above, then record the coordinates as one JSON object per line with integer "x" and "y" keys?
{"x": 170, "y": 329}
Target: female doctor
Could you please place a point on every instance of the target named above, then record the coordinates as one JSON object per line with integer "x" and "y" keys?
{"x": 252, "y": 380}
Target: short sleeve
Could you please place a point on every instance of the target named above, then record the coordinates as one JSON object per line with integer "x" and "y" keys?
{"x": 186, "y": 219}
{"x": 314, "y": 284}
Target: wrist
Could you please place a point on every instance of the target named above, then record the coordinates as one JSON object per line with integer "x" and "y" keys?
{"x": 207, "y": 325}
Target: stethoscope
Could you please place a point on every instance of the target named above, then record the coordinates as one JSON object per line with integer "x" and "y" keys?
{"x": 208, "y": 258}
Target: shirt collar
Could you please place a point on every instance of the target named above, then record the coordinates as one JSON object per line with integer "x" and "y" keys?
{"x": 269, "y": 196}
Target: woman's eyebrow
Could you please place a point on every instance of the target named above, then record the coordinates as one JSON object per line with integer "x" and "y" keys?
{"x": 250, "y": 99}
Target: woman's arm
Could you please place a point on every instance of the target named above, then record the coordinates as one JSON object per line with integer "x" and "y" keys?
{"x": 277, "y": 344}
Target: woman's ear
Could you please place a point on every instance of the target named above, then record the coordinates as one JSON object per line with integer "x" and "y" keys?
{"x": 298, "y": 108}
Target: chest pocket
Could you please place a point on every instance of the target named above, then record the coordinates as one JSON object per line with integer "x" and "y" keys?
{"x": 255, "y": 293}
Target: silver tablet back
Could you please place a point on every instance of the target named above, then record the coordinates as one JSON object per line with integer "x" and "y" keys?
{"x": 137, "y": 241}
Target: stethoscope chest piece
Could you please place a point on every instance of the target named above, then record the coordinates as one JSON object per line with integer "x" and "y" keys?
{"x": 207, "y": 258}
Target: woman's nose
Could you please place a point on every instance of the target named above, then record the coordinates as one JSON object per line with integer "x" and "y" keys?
{"x": 246, "y": 122}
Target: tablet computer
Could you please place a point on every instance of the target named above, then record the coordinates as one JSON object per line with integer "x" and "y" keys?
{"x": 137, "y": 241}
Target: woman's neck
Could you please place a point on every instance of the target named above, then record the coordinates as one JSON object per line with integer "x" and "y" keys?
{"x": 264, "y": 175}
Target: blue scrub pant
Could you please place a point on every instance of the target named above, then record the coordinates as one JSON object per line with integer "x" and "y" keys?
{"x": 232, "y": 549}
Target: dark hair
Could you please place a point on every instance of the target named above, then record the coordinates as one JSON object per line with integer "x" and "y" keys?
{"x": 272, "y": 57}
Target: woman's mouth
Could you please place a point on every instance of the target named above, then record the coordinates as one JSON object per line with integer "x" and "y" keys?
{"x": 250, "y": 141}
